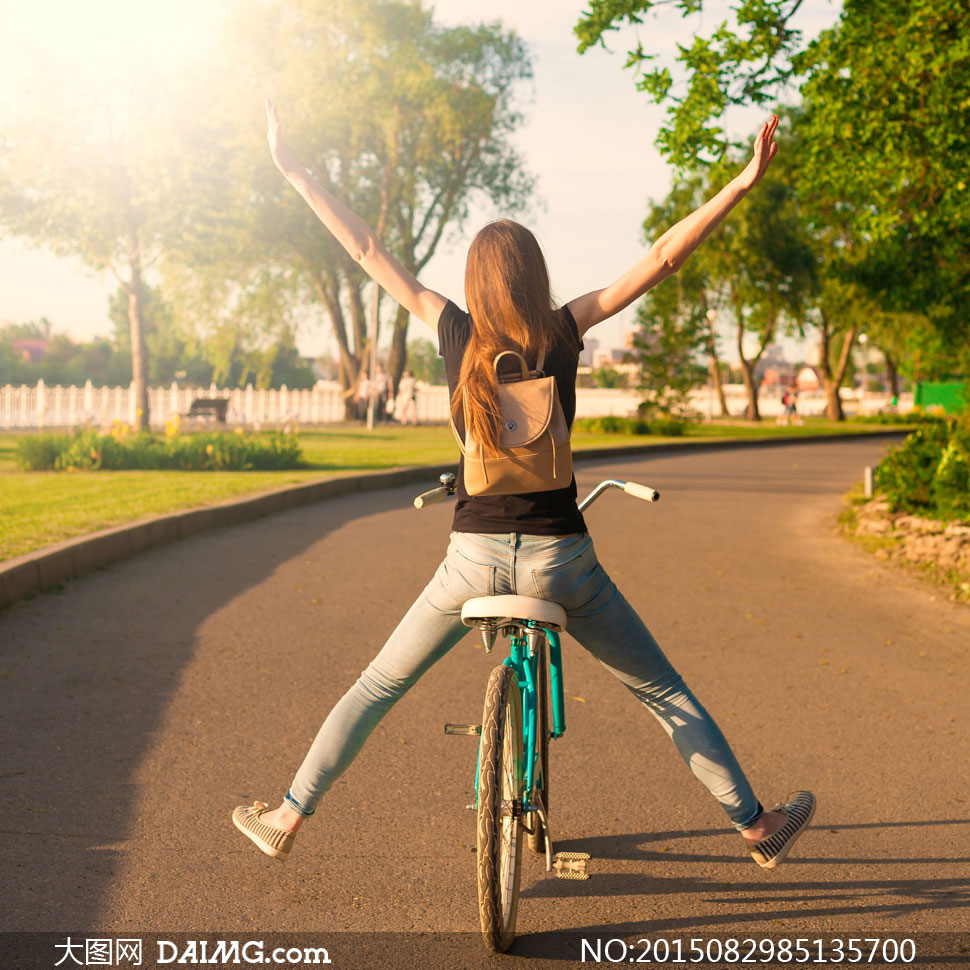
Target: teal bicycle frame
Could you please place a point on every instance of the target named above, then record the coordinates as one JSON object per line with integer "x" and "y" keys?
{"x": 525, "y": 666}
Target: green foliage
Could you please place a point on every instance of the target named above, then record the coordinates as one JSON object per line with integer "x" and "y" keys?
{"x": 614, "y": 424}
{"x": 908, "y": 417}
{"x": 65, "y": 362}
{"x": 880, "y": 141}
{"x": 758, "y": 270}
{"x": 89, "y": 450}
{"x": 747, "y": 65}
{"x": 424, "y": 363}
{"x": 39, "y": 452}
{"x": 929, "y": 473}
{"x": 608, "y": 377}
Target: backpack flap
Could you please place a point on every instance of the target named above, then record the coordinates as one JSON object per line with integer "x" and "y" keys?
{"x": 526, "y": 411}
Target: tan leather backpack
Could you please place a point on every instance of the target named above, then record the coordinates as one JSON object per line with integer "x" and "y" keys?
{"x": 534, "y": 453}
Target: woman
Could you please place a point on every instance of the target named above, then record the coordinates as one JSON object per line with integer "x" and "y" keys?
{"x": 534, "y": 544}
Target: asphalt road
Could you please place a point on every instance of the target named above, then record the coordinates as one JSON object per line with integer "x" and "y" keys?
{"x": 147, "y": 699}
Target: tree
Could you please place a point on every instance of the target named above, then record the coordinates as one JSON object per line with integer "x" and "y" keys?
{"x": 748, "y": 65}
{"x": 669, "y": 369}
{"x": 424, "y": 363}
{"x": 884, "y": 126}
{"x": 64, "y": 361}
{"x": 405, "y": 121}
{"x": 169, "y": 352}
{"x": 692, "y": 303}
{"x": 88, "y": 168}
{"x": 609, "y": 377}
{"x": 757, "y": 268}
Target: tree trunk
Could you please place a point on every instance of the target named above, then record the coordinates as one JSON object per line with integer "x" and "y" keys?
{"x": 751, "y": 411}
{"x": 136, "y": 323}
{"x": 399, "y": 347}
{"x": 892, "y": 372}
{"x": 832, "y": 379}
{"x": 139, "y": 357}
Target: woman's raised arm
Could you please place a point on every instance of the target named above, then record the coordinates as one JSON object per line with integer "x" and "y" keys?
{"x": 352, "y": 232}
{"x": 671, "y": 250}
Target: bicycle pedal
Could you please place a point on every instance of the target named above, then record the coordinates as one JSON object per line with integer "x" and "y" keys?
{"x": 571, "y": 865}
{"x": 473, "y": 729}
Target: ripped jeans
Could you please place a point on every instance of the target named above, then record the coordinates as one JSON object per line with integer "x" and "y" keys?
{"x": 566, "y": 571}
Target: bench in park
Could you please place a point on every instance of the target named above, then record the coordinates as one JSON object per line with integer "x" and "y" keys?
{"x": 208, "y": 409}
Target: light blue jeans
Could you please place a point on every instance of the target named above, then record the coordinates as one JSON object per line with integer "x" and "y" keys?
{"x": 566, "y": 571}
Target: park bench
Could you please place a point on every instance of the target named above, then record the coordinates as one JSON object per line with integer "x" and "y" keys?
{"x": 207, "y": 409}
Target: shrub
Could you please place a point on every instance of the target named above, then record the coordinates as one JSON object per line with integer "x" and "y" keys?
{"x": 612, "y": 424}
{"x": 669, "y": 427}
{"x": 929, "y": 473}
{"x": 917, "y": 416}
{"x": 38, "y": 452}
{"x": 89, "y": 450}
{"x": 950, "y": 488}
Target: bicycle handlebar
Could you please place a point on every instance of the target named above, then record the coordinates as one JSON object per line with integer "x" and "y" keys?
{"x": 449, "y": 484}
{"x": 645, "y": 492}
{"x": 429, "y": 498}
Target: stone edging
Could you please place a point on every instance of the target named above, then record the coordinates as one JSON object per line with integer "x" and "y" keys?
{"x": 36, "y": 571}
{"x": 914, "y": 539}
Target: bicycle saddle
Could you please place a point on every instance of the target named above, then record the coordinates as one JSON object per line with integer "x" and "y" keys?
{"x": 511, "y": 608}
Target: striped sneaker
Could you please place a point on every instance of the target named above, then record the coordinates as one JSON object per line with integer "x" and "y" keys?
{"x": 769, "y": 852}
{"x": 272, "y": 840}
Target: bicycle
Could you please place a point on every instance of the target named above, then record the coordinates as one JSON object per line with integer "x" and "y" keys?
{"x": 512, "y": 773}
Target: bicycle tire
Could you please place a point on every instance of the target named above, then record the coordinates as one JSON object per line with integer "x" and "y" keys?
{"x": 536, "y": 840}
{"x": 499, "y": 789}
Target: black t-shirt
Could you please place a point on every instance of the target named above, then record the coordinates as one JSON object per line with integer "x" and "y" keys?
{"x": 532, "y": 513}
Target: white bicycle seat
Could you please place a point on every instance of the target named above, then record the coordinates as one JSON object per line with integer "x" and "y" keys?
{"x": 511, "y": 608}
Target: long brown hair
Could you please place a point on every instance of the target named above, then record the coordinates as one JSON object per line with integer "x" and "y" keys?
{"x": 507, "y": 289}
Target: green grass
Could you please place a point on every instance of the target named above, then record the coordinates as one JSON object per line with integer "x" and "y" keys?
{"x": 41, "y": 508}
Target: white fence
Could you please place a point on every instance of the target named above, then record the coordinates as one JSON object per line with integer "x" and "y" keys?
{"x": 39, "y": 406}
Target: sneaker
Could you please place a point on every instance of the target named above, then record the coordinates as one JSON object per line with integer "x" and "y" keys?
{"x": 273, "y": 841}
{"x": 769, "y": 852}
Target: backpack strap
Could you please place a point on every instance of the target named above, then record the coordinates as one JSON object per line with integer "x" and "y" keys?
{"x": 523, "y": 367}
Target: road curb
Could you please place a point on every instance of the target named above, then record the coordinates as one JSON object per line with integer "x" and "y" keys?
{"x": 48, "y": 568}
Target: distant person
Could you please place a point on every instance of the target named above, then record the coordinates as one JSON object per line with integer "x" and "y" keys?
{"x": 783, "y": 416}
{"x": 503, "y": 542}
{"x": 791, "y": 406}
{"x": 405, "y": 405}
{"x": 380, "y": 392}
{"x": 363, "y": 396}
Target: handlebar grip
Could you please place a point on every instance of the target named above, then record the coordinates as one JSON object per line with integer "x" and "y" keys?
{"x": 429, "y": 498}
{"x": 641, "y": 491}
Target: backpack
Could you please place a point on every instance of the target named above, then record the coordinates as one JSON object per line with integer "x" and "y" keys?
{"x": 534, "y": 453}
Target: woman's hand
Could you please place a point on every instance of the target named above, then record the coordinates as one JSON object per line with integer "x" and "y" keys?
{"x": 283, "y": 158}
{"x": 764, "y": 151}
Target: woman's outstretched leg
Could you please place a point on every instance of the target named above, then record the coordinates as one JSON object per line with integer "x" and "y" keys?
{"x": 613, "y": 632}
{"x": 422, "y": 638}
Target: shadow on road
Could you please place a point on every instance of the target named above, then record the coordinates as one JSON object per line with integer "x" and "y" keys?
{"x": 88, "y": 676}
{"x": 846, "y": 896}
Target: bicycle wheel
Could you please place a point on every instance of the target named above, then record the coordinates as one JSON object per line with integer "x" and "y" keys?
{"x": 537, "y": 836}
{"x": 499, "y": 792}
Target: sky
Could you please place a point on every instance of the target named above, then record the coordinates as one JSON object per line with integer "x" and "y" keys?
{"x": 588, "y": 137}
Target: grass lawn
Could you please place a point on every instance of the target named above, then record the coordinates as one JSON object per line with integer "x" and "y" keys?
{"x": 41, "y": 508}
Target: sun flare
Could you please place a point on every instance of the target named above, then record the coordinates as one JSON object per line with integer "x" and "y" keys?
{"x": 103, "y": 33}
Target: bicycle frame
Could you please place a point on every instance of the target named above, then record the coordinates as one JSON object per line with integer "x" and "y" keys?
{"x": 525, "y": 664}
